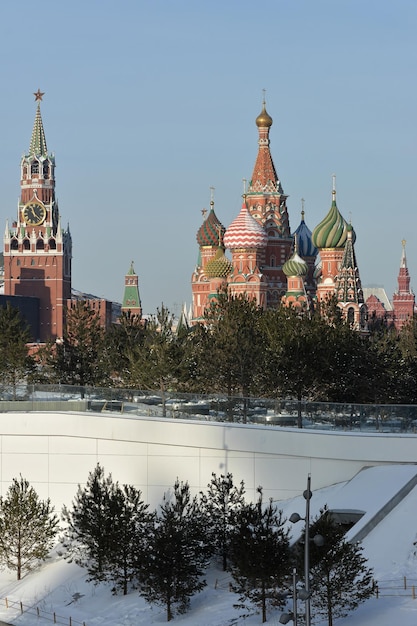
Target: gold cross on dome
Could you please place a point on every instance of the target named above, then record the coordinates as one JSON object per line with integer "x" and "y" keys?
{"x": 38, "y": 95}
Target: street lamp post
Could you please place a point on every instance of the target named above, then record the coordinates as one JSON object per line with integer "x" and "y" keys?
{"x": 294, "y": 518}
{"x": 296, "y": 594}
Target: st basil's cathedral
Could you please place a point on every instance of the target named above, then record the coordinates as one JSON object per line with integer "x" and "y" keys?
{"x": 275, "y": 266}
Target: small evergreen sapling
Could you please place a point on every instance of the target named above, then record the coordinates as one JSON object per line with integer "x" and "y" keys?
{"x": 340, "y": 579}
{"x": 178, "y": 553}
{"x": 28, "y": 527}
{"x": 260, "y": 556}
{"x": 221, "y": 504}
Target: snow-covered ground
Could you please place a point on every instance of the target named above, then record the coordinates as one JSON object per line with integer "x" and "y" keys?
{"x": 61, "y": 588}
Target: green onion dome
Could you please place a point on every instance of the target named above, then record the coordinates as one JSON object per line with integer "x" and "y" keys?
{"x": 211, "y": 231}
{"x": 332, "y": 231}
{"x": 219, "y": 266}
{"x": 295, "y": 266}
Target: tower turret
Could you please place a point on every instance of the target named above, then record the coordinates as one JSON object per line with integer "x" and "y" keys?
{"x": 403, "y": 300}
{"x": 37, "y": 251}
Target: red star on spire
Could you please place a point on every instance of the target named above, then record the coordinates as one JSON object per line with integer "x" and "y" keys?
{"x": 38, "y": 95}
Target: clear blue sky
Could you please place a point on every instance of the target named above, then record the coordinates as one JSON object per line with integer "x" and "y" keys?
{"x": 149, "y": 103}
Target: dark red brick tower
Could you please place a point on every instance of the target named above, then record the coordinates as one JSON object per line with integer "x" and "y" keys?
{"x": 403, "y": 300}
{"x": 37, "y": 250}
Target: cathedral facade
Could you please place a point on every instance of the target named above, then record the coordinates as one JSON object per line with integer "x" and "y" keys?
{"x": 275, "y": 266}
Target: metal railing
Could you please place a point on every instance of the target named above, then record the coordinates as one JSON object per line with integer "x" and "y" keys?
{"x": 373, "y": 418}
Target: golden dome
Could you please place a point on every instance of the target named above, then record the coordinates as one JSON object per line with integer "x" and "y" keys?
{"x": 264, "y": 120}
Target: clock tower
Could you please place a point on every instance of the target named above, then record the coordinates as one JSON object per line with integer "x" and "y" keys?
{"x": 37, "y": 250}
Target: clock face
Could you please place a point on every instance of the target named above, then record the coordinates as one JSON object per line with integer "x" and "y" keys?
{"x": 34, "y": 213}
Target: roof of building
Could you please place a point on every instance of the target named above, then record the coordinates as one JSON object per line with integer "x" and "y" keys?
{"x": 245, "y": 232}
{"x": 380, "y": 293}
{"x": 211, "y": 230}
{"x": 332, "y": 230}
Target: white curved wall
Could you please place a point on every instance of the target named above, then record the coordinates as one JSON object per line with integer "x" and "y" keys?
{"x": 56, "y": 451}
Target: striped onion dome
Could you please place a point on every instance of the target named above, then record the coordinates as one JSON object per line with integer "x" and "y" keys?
{"x": 332, "y": 231}
{"x": 245, "y": 232}
{"x": 211, "y": 230}
{"x": 305, "y": 243}
{"x": 219, "y": 266}
{"x": 295, "y": 266}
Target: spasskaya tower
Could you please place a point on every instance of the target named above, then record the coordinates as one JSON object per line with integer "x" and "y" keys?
{"x": 37, "y": 250}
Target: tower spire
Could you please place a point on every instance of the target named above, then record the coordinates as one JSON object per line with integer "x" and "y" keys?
{"x": 38, "y": 141}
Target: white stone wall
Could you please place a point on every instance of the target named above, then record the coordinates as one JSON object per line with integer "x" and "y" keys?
{"x": 56, "y": 451}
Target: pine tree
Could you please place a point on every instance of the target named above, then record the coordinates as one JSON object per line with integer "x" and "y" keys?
{"x": 260, "y": 555}
{"x": 15, "y": 363}
{"x": 129, "y": 538}
{"x": 221, "y": 505}
{"x": 28, "y": 527}
{"x": 178, "y": 553}
{"x": 90, "y": 523}
{"x": 340, "y": 579}
{"x": 82, "y": 356}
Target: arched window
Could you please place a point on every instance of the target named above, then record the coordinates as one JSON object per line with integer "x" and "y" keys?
{"x": 14, "y": 244}
{"x": 52, "y": 244}
{"x": 34, "y": 169}
{"x": 40, "y": 245}
{"x": 46, "y": 170}
{"x": 26, "y": 244}
{"x": 351, "y": 315}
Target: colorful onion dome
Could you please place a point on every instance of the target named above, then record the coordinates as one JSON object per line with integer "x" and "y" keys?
{"x": 219, "y": 266}
{"x": 332, "y": 231}
{"x": 305, "y": 243}
{"x": 295, "y": 266}
{"x": 211, "y": 230}
{"x": 264, "y": 120}
{"x": 245, "y": 232}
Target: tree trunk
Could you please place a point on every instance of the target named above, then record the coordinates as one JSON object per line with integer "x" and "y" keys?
{"x": 299, "y": 416}
{"x": 263, "y": 604}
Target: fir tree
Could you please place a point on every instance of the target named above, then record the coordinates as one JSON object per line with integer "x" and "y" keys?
{"x": 260, "y": 555}
{"x": 340, "y": 579}
{"x": 15, "y": 363}
{"x": 221, "y": 505}
{"x": 90, "y": 523}
{"x": 129, "y": 537}
{"x": 28, "y": 527}
{"x": 178, "y": 552}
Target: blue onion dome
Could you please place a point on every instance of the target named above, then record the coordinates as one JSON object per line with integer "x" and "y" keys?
{"x": 332, "y": 231}
{"x": 304, "y": 238}
{"x": 219, "y": 266}
{"x": 211, "y": 231}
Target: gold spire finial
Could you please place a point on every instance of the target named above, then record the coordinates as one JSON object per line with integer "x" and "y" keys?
{"x": 403, "y": 242}
{"x": 334, "y": 185}
{"x": 264, "y": 97}
{"x": 212, "y": 196}
{"x": 244, "y": 185}
{"x": 302, "y": 209}
{"x": 38, "y": 95}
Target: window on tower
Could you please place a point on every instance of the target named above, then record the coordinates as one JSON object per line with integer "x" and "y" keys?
{"x": 26, "y": 244}
{"x": 34, "y": 169}
{"x": 46, "y": 170}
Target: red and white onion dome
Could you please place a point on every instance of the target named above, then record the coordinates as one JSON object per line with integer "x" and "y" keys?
{"x": 245, "y": 232}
